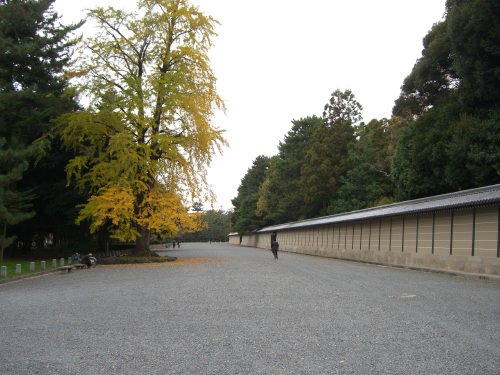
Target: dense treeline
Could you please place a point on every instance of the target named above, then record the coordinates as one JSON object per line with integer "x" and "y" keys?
{"x": 443, "y": 135}
{"x": 217, "y": 227}
{"x": 36, "y": 49}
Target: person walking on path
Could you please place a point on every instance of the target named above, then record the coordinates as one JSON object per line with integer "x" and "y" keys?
{"x": 274, "y": 245}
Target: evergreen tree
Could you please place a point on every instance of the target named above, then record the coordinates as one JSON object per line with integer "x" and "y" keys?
{"x": 368, "y": 182}
{"x": 281, "y": 197}
{"x": 14, "y": 204}
{"x": 451, "y": 102}
{"x": 432, "y": 78}
{"x": 445, "y": 150}
{"x": 245, "y": 218}
{"x": 36, "y": 49}
{"x": 327, "y": 160}
{"x": 218, "y": 226}
{"x": 473, "y": 27}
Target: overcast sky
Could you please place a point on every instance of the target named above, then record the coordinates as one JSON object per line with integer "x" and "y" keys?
{"x": 279, "y": 60}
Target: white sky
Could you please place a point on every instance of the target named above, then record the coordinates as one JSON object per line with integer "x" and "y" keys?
{"x": 279, "y": 60}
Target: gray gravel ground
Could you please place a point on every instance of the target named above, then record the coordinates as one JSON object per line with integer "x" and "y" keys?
{"x": 238, "y": 311}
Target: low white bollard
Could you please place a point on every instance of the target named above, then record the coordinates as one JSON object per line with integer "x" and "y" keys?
{"x": 42, "y": 265}
{"x": 18, "y": 269}
{"x": 3, "y": 271}
{"x": 54, "y": 263}
{"x": 32, "y": 266}
{"x": 61, "y": 262}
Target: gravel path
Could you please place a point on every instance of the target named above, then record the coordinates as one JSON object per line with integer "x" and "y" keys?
{"x": 223, "y": 309}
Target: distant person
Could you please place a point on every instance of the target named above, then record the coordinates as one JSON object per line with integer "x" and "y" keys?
{"x": 89, "y": 260}
{"x": 179, "y": 244}
{"x": 173, "y": 244}
{"x": 86, "y": 260}
{"x": 274, "y": 245}
{"x": 76, "y": 258}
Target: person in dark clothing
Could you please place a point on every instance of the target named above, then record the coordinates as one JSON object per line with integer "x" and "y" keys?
{"x": 274, "y": 245}
{"x": 89, "y": 260}
{"x": 76, "y": 258}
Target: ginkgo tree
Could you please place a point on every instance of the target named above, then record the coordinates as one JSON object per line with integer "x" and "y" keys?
{"x": 146, "y": 138}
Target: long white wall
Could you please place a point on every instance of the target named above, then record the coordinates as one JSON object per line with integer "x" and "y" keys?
{"x": 461, "y": 240}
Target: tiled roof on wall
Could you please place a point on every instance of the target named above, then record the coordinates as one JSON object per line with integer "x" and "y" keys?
{"x": 466, "y": 198}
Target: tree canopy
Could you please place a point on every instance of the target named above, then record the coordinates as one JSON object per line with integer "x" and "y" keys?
{"x": 281, "y": 197}
{"x": 218, "y": 226}
{"x": 326, "y": 160}
{"x": 145, "y": 141}
{"x": 36, "y": 51}
{"x": 451, "y": 140}
{"x": 15, "y": 205}
{"x": 367, "y": 183}
{"x": 245, "y": 217}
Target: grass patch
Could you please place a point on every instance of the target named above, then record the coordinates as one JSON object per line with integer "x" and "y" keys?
{"x": 25, "y": 264}
{"x": 25, "y": 268}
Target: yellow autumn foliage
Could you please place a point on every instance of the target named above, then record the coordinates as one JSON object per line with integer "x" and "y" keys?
{"x": 164, "y": 214}
{"x": 114, "y": 205}
{"x": 144, "y": 142}
{"x": 161, "y": 211}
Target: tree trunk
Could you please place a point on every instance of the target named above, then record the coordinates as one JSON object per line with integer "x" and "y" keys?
{"x": 103, "y": 241}
{"x": 142, "y": 242}
{"x": 3, "y": 241}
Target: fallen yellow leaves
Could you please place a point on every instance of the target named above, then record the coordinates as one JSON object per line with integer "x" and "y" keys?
{"x": 178, "y": 262}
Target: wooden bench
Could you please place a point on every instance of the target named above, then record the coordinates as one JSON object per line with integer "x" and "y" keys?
{"x": 77, "y": 266}
{"x": 66, "y": 268}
